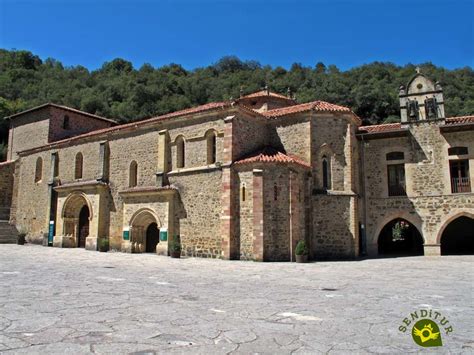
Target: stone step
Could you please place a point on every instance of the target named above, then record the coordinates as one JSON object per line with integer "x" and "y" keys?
{"x": 8, "y": 233}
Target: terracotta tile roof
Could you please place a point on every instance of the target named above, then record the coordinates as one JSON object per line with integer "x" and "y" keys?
{"x": 319, "y": 106}
{"x": 387, "y": 127}
{"x": 265, "y": 93}
{"x": 271, "y": 155}
{"x": 63, "y": 108}
{"x": 198, "y": 109}
{"x": 460, "y": 119}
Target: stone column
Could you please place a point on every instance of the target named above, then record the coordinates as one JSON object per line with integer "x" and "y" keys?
{"x": 163, "y": 155}
{"x": 258, "y": 225}
{"x": 227, "y": 220}
{"x": 432, "y": 249}
{"x": 103, "y": 168}
{"x": 52, "y": 197}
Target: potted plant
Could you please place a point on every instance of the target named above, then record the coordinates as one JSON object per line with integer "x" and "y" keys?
{"x": 301, "y": 252}
{"x": 103, "y": 244}
{"x": 175, "y": 247}
{"x": 21, "y": 238}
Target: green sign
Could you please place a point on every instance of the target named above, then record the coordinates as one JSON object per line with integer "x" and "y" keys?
{"x": 163, "y": 236}
{"x": 51, "y": 233}
{"x": 126, "y": 235}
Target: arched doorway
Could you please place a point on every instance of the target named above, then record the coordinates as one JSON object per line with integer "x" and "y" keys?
{"x": 83, "y": 226}
{"x": 400, "y": 238}
{"x": 144, "y": 232}
{"x": 152, "y": 237}
{"x": 76, "y": 216}
{"x": 458, "y": 237}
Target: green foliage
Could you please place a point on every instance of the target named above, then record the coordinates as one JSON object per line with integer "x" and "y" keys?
{"x": 398, "y": 231}
{"x": 175, "y": 244}
{"x": 301, "y": 248}
{"x": 120, "y": 91}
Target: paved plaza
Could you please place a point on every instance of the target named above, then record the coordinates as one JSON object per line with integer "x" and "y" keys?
{"x": 73, "y": 301}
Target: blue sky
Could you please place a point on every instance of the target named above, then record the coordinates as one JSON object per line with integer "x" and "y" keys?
{"x": 197, "y": 33}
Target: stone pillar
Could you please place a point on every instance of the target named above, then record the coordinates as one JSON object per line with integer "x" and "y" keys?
{"x": 349, "y": 167}
{"x": 227, "y": 220}
{"x": 52, "y": 198}
{"x": 432, "y": 249}
{"x": 258, "y": 225}
{"x": 294, "y": 213}
{"x": 103, "y": 168}
{"x": 163, "y": 155}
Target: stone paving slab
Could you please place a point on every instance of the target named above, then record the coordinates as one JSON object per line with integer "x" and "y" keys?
{"x": 73, "y": 301}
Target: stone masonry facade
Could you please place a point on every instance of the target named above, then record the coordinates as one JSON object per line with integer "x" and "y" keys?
{"x": 245, "y": 179}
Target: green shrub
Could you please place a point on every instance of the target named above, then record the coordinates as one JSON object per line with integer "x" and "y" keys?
{"x": 301, "y": 248}
{"x": 175, "y": 244}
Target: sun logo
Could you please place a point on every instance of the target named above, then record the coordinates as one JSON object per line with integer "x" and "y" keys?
{"x": 426, "y": 333}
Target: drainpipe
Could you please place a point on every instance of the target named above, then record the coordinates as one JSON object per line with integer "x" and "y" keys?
{"x": 364, "y": 217}
{"x": 291, "y": 215}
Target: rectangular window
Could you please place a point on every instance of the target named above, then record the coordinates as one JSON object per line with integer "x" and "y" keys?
{"x": 459, "y": 171}
{"x": 396, "y": 180}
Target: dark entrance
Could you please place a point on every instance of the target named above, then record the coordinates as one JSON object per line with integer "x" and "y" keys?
{"x": 152, "y": 237}
{"x": 400, "y": 238}
{"x": 458, "y": 237}
{"x": 83, "y": 227}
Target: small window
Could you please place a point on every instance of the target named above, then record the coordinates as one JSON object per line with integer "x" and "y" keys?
{"x": 211, "y": 147}
{"x": 78, "y": 166}
{"x": 460, "y": 180}
{"x": 457, "y": 151}
{"x": 275, "y": 192}
{"x": 133, "y": 175}
{"x": 326, "y": 173}
{"x": 244, "y": 193}
{"x": 39, "y": 170}
{"x": 396, "y": 180}
{"x": 66, "y": 123}
{"x": 395, "y": 156}
{"x": 180, "y": 152}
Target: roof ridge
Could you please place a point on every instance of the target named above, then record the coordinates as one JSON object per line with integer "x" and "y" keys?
{"x": 117, "y": 128}
{"x": 63, "y": 107}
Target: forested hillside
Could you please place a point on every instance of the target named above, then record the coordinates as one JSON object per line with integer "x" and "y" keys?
{"x": 118, "y": 90}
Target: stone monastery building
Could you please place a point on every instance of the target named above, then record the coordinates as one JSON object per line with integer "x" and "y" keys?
{"x": 246, "y": 179}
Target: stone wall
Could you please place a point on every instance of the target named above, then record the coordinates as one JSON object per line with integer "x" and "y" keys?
{"x": 32, "y": 202}
{"x": 7, "y": 171}
{"x": 293, "y": 135}
{"x": 78, "y": 124}
{"x": 45, "y": 125}
{"x": 429, "y": 204}
{"x": 335, "y": 233}
{"x": 248, "y": 135}
{"x": 333, "y": 136}
{"x": 194, "y": 134}
{"x": 245, "y": 215}
{"x": 28, "y": 131}
{"x": 199, "y": 225}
